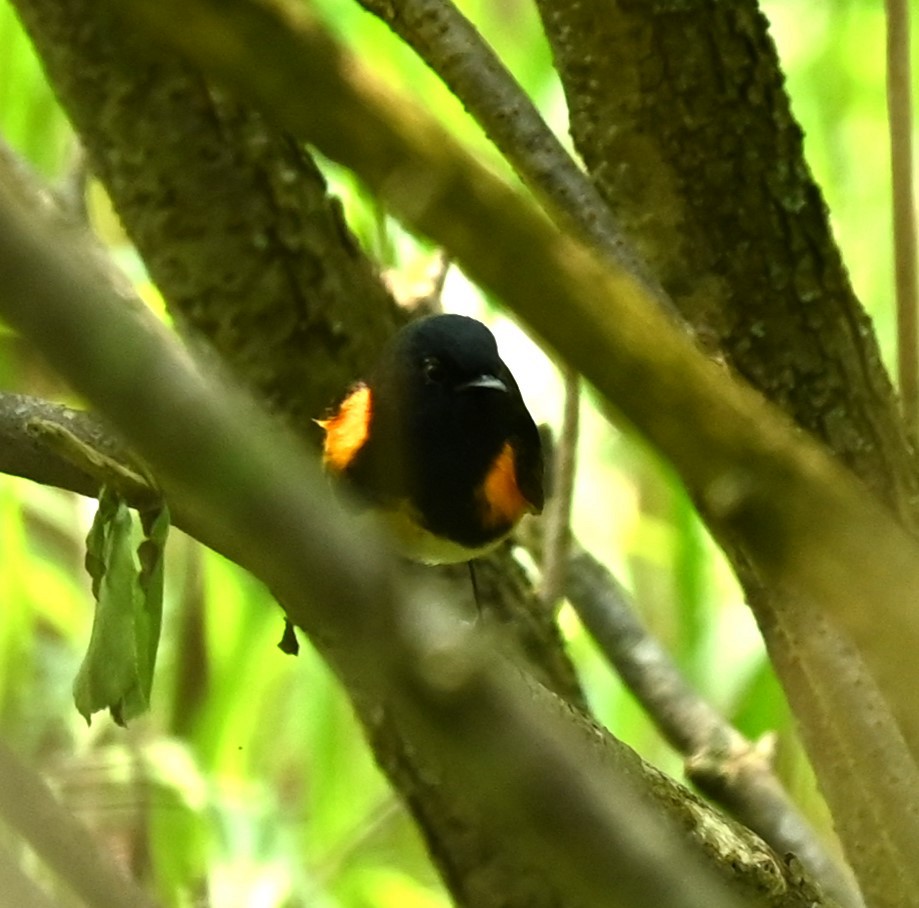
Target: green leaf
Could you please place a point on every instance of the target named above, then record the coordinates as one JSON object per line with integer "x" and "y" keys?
{"x": 117, "y": 671}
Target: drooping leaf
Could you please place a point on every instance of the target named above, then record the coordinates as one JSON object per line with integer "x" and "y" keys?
{"x": 117, "y": 671}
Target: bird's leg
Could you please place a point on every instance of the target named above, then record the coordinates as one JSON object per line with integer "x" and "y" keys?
{"x": 475, "y": 589}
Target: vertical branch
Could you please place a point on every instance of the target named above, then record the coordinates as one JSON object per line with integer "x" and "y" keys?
{"x": 899, "y": 114}
{"x": 558, "y": 516}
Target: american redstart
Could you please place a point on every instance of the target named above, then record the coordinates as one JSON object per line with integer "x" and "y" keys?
{"x": 438, "y": 442}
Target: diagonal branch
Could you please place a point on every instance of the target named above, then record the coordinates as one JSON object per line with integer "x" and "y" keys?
{"x": 452, "y": 46}
{"x": 755, "y": 270}
{"x": 508, "y": 742}
{"x": 723, "y": 764}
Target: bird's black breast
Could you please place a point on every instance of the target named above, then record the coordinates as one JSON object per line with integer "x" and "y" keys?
{"x": 433, "y": 437}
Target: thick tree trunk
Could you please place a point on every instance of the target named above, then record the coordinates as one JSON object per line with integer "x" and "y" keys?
{"x": 681, "y": 117}
{"x": 232, "y": 219}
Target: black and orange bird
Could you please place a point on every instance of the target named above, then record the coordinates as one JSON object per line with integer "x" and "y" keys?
{"x": 438, "y": 441}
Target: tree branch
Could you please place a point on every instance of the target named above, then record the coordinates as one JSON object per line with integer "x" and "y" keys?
{"x": 507, "y": 742}
{"x": 863, "y": 764}
{"x": 722, "y": 763}
{"x": 757, "y": 274}
{"x": 754, "y": 269}
{"x": 452, "y": 46}
{"x": 232, "y": 218}
{"x": 24, "y": 454}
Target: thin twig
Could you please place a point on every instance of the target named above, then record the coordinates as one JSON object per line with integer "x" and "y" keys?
{"x": 899, "y": 116}
{"x": 558, "y": 515}
{"x": 720, "y": 761}
{"x": 24, "y": 454}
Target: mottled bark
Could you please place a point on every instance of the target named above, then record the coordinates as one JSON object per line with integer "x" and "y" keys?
{"x": 232, "y": 218}
{"x": 680, "y": 114}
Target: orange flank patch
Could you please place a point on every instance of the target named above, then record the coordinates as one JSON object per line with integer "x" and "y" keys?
{"x": 347, "y": 430}
{"x": 504, "y": 503}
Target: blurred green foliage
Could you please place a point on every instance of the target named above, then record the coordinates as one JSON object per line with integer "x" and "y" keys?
{"x": 248, "y": 783}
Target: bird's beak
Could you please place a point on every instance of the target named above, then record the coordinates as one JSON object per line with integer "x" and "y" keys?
{"x": 484, "y": 381}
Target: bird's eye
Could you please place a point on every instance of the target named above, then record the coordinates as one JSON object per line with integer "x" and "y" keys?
{"x": 433, "y": 370}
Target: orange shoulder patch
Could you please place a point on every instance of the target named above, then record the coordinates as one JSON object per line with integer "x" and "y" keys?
{"x": 347, "y": 430}
{"x": 504, "y": 503}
